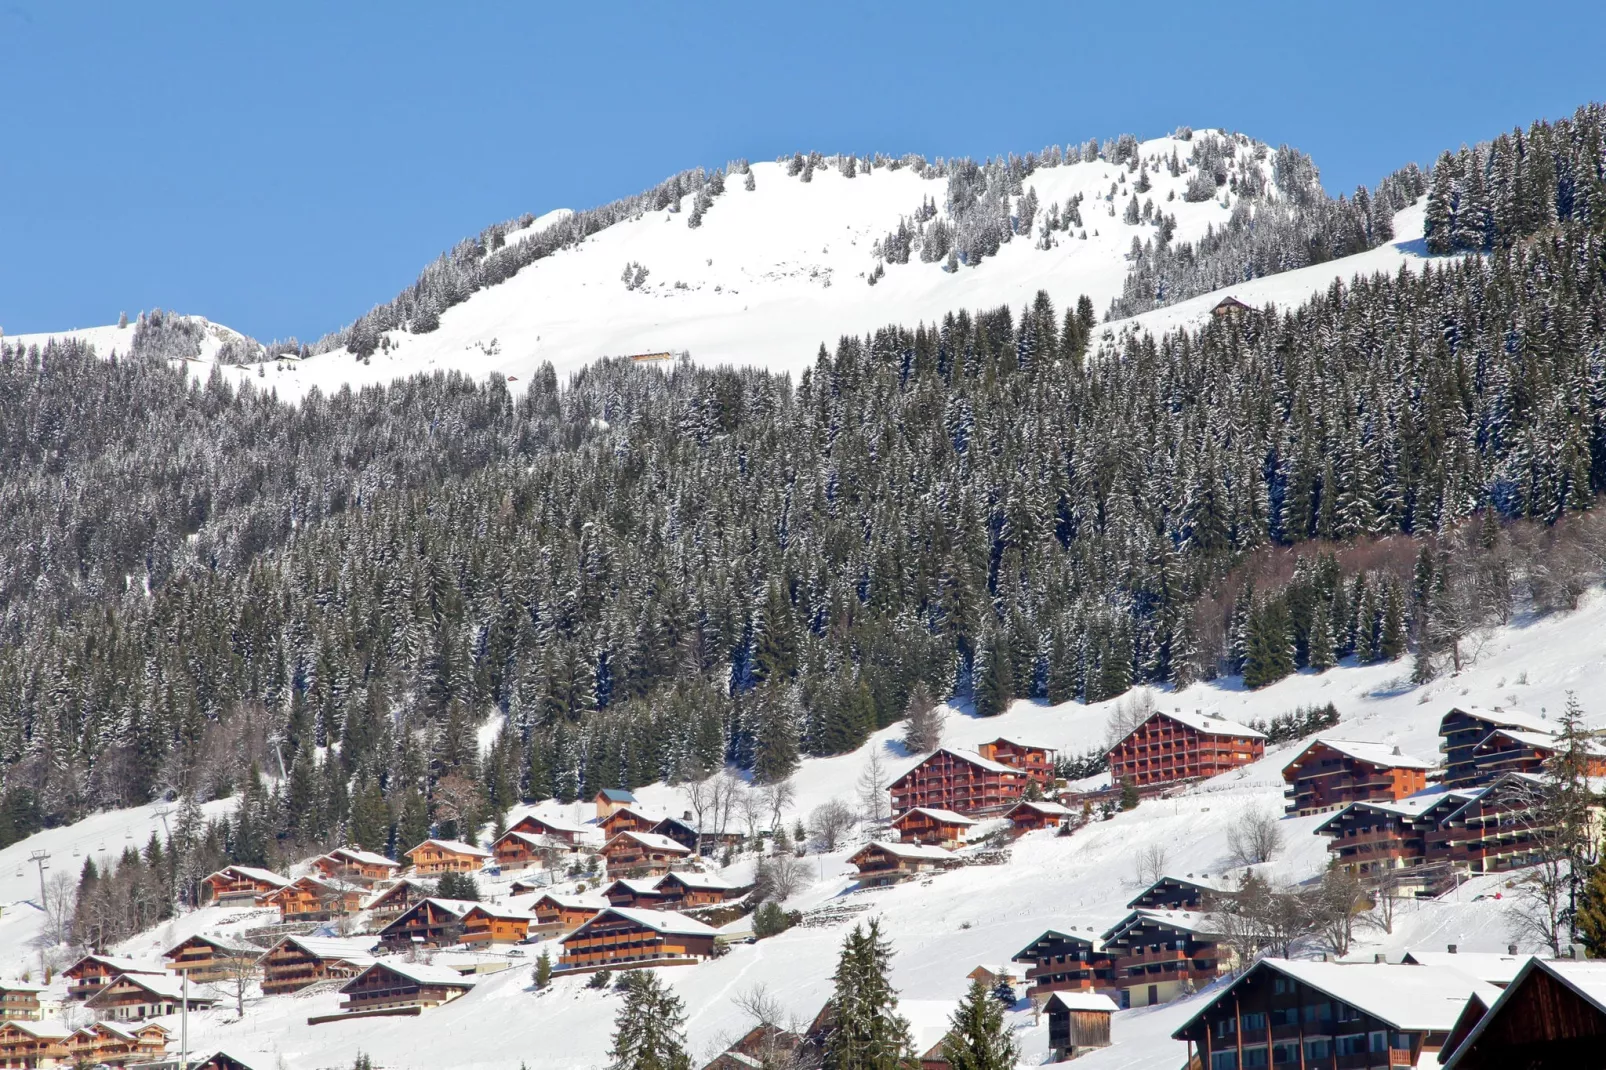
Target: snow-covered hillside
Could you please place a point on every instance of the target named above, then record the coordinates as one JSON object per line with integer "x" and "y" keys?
{"x": 943, "y": 926}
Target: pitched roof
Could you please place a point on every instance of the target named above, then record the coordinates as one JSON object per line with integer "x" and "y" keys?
{"x": 1204, "y": 884}
{"x": 1490, "y": 967}
{"x": 222, "y": 943}
{"x": 903, "y": 850}
{"x": 947, "y": 817}
{"x": 617, "y": 795}
{"x": 420, "y": 972}
{"x": 1210, "y": 724}
{"x": 1081, "y": 1001}
{"x": 973, "y": 758}
{"x": 1541, "y": 741}
{"x": 165, "y": 985}
{"x": 663, "y": 921}
{"x": 635, "y": 885}
{"x": 493, "y": 910}
{"x": 700, "y": 880}
{"x": 561, "y": 824}
{"x": 1042, "y": 806}
{"x": 1024, "y": 954}
{"x": 256, "y": 873}
{"x": 1408, "y": 807}
{"x": 351, "y": 949}
{"x": 361, "y": 857}
{"x": 121, "y": 965}
{"x": 1187, "y": 921}
{"x": 1016, "y": 743}
{"x": 20, "y": 986}
{"x": 41, "y": 1030}
{"x": 399, "y": 889}
{"x": 571, "y": 902}
{"x": 1386, "y": 755}
{"x": 1408, "y": 998}
{"x": 650, "y": 840}
{"x": 1585, "y": 977}
{"x": 1506, "y": 718}
{"x": 454, "y": 846}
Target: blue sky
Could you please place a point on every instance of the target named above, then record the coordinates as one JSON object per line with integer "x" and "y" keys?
{"x": 281, "y": 168}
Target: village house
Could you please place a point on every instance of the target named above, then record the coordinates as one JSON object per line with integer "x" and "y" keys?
{"x": 222, "y": 1060}
{"x": 1078, "y": 1022}
{"x": 1030, "y": 815}
{"x": 1172, "y": 746}
{"x": 1501, "y": 827}
{"x": 1511, "y": 750}
{"x": 558, "y": 914}
{"x": 1183, "y": 893}
{"x": 554, "y": 829}
{"x": 1490, "y": 967}
{"x": 610, "y": 799}
{"x": 1162, "y": 954}
{"x": 110, "y": 1044}
{"x": 312, "y": 898}
{"x": 1328, "y": 1015}
{"x": 147, "y": 995}
{"x": 236, "y": 884}
{"x": 628, "y": 819}
{"x": 699, "y": 838}
{"x": 1379, "y": 841}
{"x": 641, "y": 854}
{"x": 402, "y": 987}
{"x": 1330, "y": 773}
{"x": 761, "y": 1046}
{"x": 19, "y": 1001}
{"x": 961, "y": 781}
{"x": 400, "y": 897}
{"x": 687, "y": 890}
{"x": 1065, "y": 962}
{"x": 620, "y": 936}
{"x": 1231, "y": 309}
{"x": 487, "y": 923}
{"x": 92, "y": 973}
{"x": 520, "y": 850}
{"x": 941, "y": 828}
{"x": 1464, "y": 727}
{"x": 1036, "y": 762}
{"x": 638, "y": 892}
{"x": 355, "y": 866}
{"x": 211, "y": 958}
{"x": 1553, "y": 1014}
{"x": 887, "y": 863}
{"x": 32, "y": 1044}
{"x": 434, "y": 857}
{"x": 432, "y": 922}
{"x": 298, "y": 961}
{"x": 998, "y": 973}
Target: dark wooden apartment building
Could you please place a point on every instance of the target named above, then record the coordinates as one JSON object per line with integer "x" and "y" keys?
{"x": 1173, "y": 746}
{"x": 1331, "y": 773}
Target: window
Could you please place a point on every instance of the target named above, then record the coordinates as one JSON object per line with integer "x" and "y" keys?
{"x": 1254, "y": 1022}
{"x": 1351, "y": 1045}
{"x": 1285, "y": 1052}
{"x": 1224, "y": 1060}
{"x": 1346, "y": 1013}
{"x": 1282, "y": 985}
{"x": 1380, "y": 1041}
{"x": 1254, "y": 1057}
{"x": 1400, "y": 1041}
{"x": 1317, "y": 1049}
{"x": 1318, "y": 1012}
{"x": 1285, "y": 1016}
{"x": 1226, "y": 1027}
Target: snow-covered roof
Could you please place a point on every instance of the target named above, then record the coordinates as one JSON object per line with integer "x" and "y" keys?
{"x": 930, "y": 1020}
{"x": 635, "y": 885}
{"x": 166, "y": 985}
{"x": 1541, "y": 741}
{"x": 41, "y": 1030}
{"x": 974, "y": 759}
{"x": 1188, "y": 921}
{"x": 451, "y": 906}
{"x": 1410, "y": 806}
{"x": 1491, "y": 967}
{"x": 1382, "y": 754}
{"x": 651, "y": 840}
{"x": 571, "y": 902}
{"x": 1210, "y": 724}
{"x": 1042, "y": 806}
{"x": 663, "y": 921}
{"x": 1427, "y": 998}
{"x": 511, "y": 912}
{"x": 700, "y": 880}
{"x": 558, "y": 823}
{"x": 223, "y": 943}
{"x": 1585, "y": 977}
{"x": 1205, "y": 884}
{"x": 361, "y": 857}
{"x": 20, "y": 986}
{"x": 904, "y": 850}
{"x": 351, "y": 949}
{"x": 1081, "y": 1001}
{"x": 947, "y": 817}
{"x": 256, "y": 873}
{"x": 1507, "y": 718}
{"x": 121, "y": 965}
{"x": 423, "y": 973}
{"x": 454, "y": 846}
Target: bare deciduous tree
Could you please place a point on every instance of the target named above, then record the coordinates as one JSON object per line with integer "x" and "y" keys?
{"x": 873, "y": 779}
{"x": 1129, "y": 711}
{"x": 239, "y": 973}
{"x": 1254, "y": 836}
{"x": 1332, "y": 907}
{"x": 1151, "y": 862}
{"x": 778, "y": 798}
{"x": 829, "y": 822}
{"x": 778, "y": 877}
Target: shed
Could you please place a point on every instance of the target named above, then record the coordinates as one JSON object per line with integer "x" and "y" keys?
{"x": 1078, "y": 1022}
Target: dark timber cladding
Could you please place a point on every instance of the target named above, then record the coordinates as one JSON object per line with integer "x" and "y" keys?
{"x": 1552, "y": 1015}
{"x": 1174, "y": 746}
{"x": 960, "y": 781}
{"x": 1078, "y": 1022}
{"x": 1066, "y": 962}
{"x": 618, "y": 935}
{"x": 1162, "y": 954}
{"x": 1464, "y": 727}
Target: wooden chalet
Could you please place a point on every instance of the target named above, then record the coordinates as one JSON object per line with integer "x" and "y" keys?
{"x": 434, "y": 857}
{"x": 1230, "y": 308}
{"x": 638, "y": 892}
{"x": 236, "y": 884}
{"x": 19, "y": 1002}
{"x": 999, "y": 973}
{"x": 887, "y": 863}
{"x": 558, "y": 914}
{"x": 298, "y": 961}
{"x": 620, "y": 936}
{"x": 521, "y": 850}
{"x": 1162, "y": 954}
{"x": 1078, "y": 1022}
{"x": 110, "y": 1044}
{"x": 487, "y": 923}
{"x": 1501, "y": 827}
{"x": 1329, "y": 1016}
{"x": 761, "y": 1046}
{"x": 555, "y": 829}
{"x": 1183, "y": 893}
{"x": 686, "y": 832}
{"x": 1172, "y": 746}
{"x": 1511, "y": 750}
{"x": 641, "y": 854}
{"x": 629, "y": 819}
{"x": 1036, "y": 762}
{"x": 1464, "y": 727}
{"x": 1490, "y": 967}
{"x": 390, "y": 986}
{"x": 33, "y": 1044}
{"x": 147, "y": 995}
{"x": 211, "y": 958}
{"x": 941, "y": 828}
{"x": 961, "y": 781}
{"x": 355, "y": 866}
{"x": 1066, "y": 962}
{"x": 432, "y": 922}
{"x": 610, "y": 799}
{"x": 1389, "y": 840}
{"x": 222, "y": 1060}
{"x": 1031, "y": 815}
{"x": 92, "y": 973}
{"x": 1331, "y": 773}
{"x": 687, "y": 890}
{"x": 1553, "y": 1014}
{"x": 396, "y": 900}
{"x": 312, "y": 898}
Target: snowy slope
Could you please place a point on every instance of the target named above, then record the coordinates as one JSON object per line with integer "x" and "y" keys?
{"x": 944, "y": 926}
{"x": 114, "y": 339}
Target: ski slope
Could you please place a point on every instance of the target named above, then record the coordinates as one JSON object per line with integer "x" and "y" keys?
{"x": 943, "y": 926}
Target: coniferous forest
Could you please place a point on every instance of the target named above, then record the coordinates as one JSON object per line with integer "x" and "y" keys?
{"x": 649, "y": 575}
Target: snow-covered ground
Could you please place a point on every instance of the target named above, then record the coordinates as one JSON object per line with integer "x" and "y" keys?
{"x": 943, "y": 926}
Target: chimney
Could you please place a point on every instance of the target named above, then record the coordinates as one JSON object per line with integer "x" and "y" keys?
{"x": 1380, "y": 958}
{"x": 685, "y": 815}
{"x": 1511, "y": 949}
{"x": 1397, "y": 750}
{"x": 1450, "y": 948}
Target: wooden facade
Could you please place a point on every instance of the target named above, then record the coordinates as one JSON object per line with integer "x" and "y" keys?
{"x": 960, "y": 781}
{"x": 521, "y": 850}
{"x": 686, "y": 832}
{"x": 1036, "y": 762}
{"x": 32, "y": 1044}
{"x": 1509, "y": 750}
{"x": 1168, "y": 747}
{"x": 434, "y": 857}
{"x": 887, "y": 863}
{"x": 685, "y": 890}
{"x": 92, "y": 973}
{"x": 559, "y": 914}
{"x": 146, "y": 995}
{"x": 610, "y": 799}
{"x": 1066, "y": 962}
{"x": 627, "y": 819}
{"x": 1550, "y": 1016}
{"x": 553, "y": 829}
{"x": 1182, "y": 893}
{"x": 941, "y": 828}
{"x": 355, "y": 866}
{"x": 619, "y": 936}
{"x": 640, "y": 892}
{"x": 19, "y": 1002}
{"x": 432, "y": 922}
{"x": 1463, "y": 728}
{"x": 1331, "y": 773}
{"x": 396, "y": 900}
{"x": 1078, "y": 1022}
{"x": 210, "y": 958}
{"x": 1162, "y": 954}
{"x": 235, "y": 884}
{"x": 487, "y": 924}
{"x": 298, "y": 961}
{"x": 109, "y": 1044}
{"x": 641, "y": 854}
{"x": 388, "y": 986}
{"x": 1032, "y": 816}
{"x": 1328, "y": 1016}
{"x": 315, "y": 899}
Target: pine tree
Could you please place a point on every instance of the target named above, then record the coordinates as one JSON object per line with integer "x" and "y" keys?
{"x": 978, "y": 1038}
{"x": 543, "y": 969}
{"x": 866, "y": 1031}
{"x": 649, "y": 1032}
{"x": 995, "y": 687}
